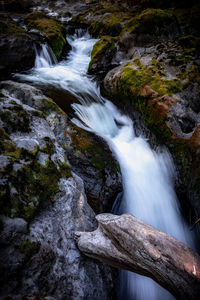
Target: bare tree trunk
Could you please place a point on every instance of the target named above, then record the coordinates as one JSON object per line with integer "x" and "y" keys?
{"x": 127, "y": 243}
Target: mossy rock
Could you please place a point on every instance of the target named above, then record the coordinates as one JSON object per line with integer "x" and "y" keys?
{"x": 9, "y": 27}
{"x": 26, "y": 183}
{"x": 88, "y": 146}
{"x": 110, "y": 26}
{"x": 149, "y": 92}
{"x": 16, "y": 118}
{"x": 102, "y": 54}
{"x": 35, "y": 183}
{"x": 53, "y": 31}
{"x": 135, "y": 76}
{"x": 151, "y": 21}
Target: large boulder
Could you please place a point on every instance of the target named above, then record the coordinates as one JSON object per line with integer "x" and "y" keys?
{"x": 162, "y": 83}
{"x": 102, "y": 56}
{"x": 16, "y": 48}
{"x": 89, "y": 156}
{"x": 53, "y": 31}
{"x": 42, "y": 203}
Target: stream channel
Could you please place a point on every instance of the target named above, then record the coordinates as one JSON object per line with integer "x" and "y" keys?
{"x": 147, "y": 174}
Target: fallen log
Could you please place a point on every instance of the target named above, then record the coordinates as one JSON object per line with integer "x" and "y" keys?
{"x": 128, "y": 243}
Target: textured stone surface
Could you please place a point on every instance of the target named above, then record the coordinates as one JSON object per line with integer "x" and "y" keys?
{"x": 42, "y": 204}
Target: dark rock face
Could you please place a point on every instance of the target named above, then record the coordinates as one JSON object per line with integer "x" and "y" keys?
{"x": 16, "y": 48}
{"x": 92, "y": 160}
{"x": 42, "y": 204}
{"x": 17, "y": 5}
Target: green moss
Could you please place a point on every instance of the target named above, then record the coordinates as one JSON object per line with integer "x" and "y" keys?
{"x": 152, "y": 21}
{"x": 32, "y": 181}
{"x": 105, "y": 46}
{"x": 65, "y": 169}
{"x": 28, "y": 248}
{"x": 38, "y": 113}
{"x": 110, "y": 25}
{"x": 136, "y": 76}
{"x": 86, "y": 147}
{"x": 132, "y": 84}
{"x": 54, "y": 31}
{"x": 35, "y": 16}
{"x": 50, "y": 105}
{"x": 191, "y": 75}
{"x": 35, "y": 183}
{"x": 49, "y": 148}
{"x": 15, "y": 118}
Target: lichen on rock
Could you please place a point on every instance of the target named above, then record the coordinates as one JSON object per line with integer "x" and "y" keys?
{"x": 26, "y": 182}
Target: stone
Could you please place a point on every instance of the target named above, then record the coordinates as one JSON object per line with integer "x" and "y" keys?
{"x": 14, "y": 40}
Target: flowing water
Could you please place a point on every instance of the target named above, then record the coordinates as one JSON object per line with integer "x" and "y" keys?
{"x": 147, "y": 174}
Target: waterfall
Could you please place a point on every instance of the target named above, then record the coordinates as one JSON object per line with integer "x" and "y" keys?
{"x": 147, "y": 174}
{"x": 45, "y": 58}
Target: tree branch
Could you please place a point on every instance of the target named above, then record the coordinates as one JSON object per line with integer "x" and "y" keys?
{"x": 127, "y": 243}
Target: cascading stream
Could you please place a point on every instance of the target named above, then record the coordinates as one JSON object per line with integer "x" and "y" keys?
{"x": 147, "y": 175}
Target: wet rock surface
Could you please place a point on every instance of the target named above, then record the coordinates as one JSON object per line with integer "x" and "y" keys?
{"x": 42, "y": 204}
{"x": 157, "y": 81}
{"x": 14, "y": 41}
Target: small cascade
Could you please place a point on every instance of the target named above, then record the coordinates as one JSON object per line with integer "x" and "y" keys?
{"x": 45, "y": 58}
{"x": 147, "y": 174}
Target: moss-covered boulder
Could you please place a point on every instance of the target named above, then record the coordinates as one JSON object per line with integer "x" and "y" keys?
{"x": 92, "y": 160}
{"x": 16, "y": 47}
{"x": 167, "y": 109}
{"x": 151, "y": 25}
{"x": 53, "y": 30}
{"x": 42, "y": 203}
{"x": 102, "y": 19}
{"x": 89, "y": 157}
{"x": 30, "y": 169}
{"x": 102, "y": 56}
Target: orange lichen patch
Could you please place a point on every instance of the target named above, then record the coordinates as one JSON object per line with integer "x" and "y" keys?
{"x": 147, "y": 91}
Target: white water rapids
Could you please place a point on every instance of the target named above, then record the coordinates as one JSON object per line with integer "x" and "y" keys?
{"x": 147, "y": 174}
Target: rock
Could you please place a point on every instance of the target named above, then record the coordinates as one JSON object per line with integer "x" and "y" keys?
{"x": 102, "y": 57}
{"x": 167, "y": 100}
{"x": 88, "y": 155}
{"x": 92, "y": 160}
{"x": 14, "y": 41}
{"x": 54, "y": 32}
{"x": 42, "y": 203}
{"x": 17, "y": 5}
{"x": 24, "y": 134}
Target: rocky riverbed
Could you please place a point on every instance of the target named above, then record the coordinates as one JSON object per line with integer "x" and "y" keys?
{"x": 55, "y": 176}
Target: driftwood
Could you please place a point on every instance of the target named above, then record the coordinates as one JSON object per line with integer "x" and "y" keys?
{"x": 128, "y": 243}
